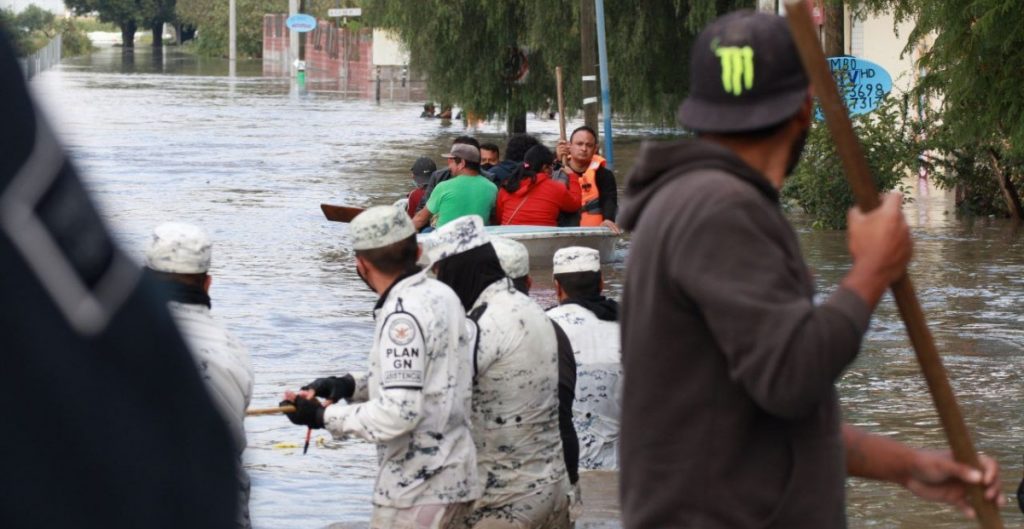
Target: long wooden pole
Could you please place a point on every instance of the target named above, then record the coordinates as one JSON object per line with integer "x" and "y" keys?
{"x": 859, "y": 176}
{"x": 561, "y": 109}
{"x": 269, "y": 411}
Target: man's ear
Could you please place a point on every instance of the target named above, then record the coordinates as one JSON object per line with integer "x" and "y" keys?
{"x": 206, "y": 283}
{"x": 806, "y": 112}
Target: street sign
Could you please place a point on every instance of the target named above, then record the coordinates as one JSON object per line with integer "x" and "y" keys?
{"x": 300, "y": 23}
{"x": 862, "y": 84}
{"x": 345, "y": 12}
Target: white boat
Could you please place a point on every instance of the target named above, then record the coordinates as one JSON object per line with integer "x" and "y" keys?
{"x": 543, "y": 241}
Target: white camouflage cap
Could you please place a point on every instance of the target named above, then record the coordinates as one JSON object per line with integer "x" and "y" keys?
{"x": 576, "y": 259}
{"x": 514, "y": 257}
{"x": 380, "y": 226}
{"x": 458, "y": 236}
{"x": 179, "y": 248}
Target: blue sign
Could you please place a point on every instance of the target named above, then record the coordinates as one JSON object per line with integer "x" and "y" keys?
{"x": 300, "y": 23}
{"x": 862, "y": 84}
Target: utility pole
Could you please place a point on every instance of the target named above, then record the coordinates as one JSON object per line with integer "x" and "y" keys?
{"x": 588, "y": 62}
{"x": 293, "y": 38}
{"x": 606, "y": 100}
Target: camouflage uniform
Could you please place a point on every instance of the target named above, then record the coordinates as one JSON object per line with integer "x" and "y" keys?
{"x": 596, "y": 413}
{"x": 414, "y": 400}
{"x": 515, "y": 414}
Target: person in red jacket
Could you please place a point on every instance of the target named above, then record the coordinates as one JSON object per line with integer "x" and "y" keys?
{"x": 531, "y": 197}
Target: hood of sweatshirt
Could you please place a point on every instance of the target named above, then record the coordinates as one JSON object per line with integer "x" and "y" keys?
{"x": 659, "y": 163}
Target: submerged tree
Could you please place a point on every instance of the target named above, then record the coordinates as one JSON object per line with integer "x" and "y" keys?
{"x": 472, "y": 50}
{"x": 970, "y": 66}
{"x": 126, "y": 14}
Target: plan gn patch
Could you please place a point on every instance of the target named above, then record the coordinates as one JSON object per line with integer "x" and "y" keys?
{"x": 402, "y": 350}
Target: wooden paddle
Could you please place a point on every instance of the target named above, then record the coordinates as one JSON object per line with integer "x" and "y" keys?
{"x": 561, "y": 107}
{"x": 340, "y": 213}
{"x": 859, "y": 176}
{"x": 269, "y": 411}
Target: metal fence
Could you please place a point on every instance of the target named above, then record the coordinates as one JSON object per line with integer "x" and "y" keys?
{"x": 43, "y": 59}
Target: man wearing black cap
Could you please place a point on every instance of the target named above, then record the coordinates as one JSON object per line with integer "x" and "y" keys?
{"x": 730, "y": 416}
{"x": 421, "y": 171}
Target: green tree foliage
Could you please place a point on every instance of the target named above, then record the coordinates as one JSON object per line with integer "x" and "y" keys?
{"x": 819, "y": 186}
{"x": 972, "y": 65}
{"x": 34, "y": 28}
{"x": 465, "y": 48}
{"x": 128, "y": 15}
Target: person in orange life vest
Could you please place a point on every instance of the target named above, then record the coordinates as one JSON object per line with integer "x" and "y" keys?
{"x": 600, "y": 202}
{"x": 422, "y": 168}
{"x": 531, "y": 197}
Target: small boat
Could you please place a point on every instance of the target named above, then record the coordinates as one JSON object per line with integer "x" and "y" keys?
{"x": 543, "y": 241}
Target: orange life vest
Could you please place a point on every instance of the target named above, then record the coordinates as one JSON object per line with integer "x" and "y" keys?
{"x": 591, "y": 214}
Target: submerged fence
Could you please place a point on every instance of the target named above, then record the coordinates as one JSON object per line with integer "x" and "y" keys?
{"x": 41, "y": 60}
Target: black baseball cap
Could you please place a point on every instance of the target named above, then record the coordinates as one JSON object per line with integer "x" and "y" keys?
{"x": 422, "y": 169}
{"x": 745, "y": 75}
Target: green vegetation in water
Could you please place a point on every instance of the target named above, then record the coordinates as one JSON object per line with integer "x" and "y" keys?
{"x": 819, "y": 186}
{"x": 33, "y": 28}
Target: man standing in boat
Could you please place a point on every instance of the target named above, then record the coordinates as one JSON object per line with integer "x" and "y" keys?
{"x": 591, "y": 322}
{"x": 600, "y": 202}
{"x": 179, "y": 257}
{"x": 466, "y": 193}
{"x": 515, "y": 391}
{"x": 414, "y": 402}
{"x": 730, "y": 413}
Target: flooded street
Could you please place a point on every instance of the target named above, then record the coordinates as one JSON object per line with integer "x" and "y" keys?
{"x": 250, "y": 159}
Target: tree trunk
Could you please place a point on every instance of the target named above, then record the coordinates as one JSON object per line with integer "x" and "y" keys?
{"x": 516, "y": 123}
{"x": 1010, "y": 194}
{"x": 158, "y": 34}
{"x": 835, "y": 29}
{"x": 128, "y": 35}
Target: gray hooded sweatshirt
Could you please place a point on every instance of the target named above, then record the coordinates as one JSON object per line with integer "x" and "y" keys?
{"x": 730, "y": 416}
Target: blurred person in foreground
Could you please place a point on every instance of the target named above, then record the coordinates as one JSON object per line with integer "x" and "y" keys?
{"x": 730, "y": 413}
{"x": 109, "y": 425}
{"x": 179, "y": 257}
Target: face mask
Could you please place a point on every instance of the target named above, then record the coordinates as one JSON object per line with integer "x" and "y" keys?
{"x": 486, "y": 166}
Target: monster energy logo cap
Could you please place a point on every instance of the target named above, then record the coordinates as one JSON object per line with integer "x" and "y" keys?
{"x": 745, "y": 75}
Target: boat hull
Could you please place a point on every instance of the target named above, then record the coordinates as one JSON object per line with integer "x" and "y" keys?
{"x": 542, "y": 241}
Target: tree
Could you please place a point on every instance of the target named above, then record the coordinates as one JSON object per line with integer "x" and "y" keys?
{"x": 970, "y": 65}
{"x": 129, "y": 16}
{"x": 469, "y": 50}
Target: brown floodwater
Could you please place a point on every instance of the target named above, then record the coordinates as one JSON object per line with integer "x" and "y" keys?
{"x": 250, "y": 158}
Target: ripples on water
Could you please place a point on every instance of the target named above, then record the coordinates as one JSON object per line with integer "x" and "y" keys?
{"x": 250, "y": 160}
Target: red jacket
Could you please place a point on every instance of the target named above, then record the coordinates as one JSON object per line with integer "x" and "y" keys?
{"x": 537, "y": 203}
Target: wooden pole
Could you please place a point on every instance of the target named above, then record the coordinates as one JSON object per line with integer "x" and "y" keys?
{"x": 859, "y": 176}
{"x": 561, "y": 103}
{"x": 269, "y": 411}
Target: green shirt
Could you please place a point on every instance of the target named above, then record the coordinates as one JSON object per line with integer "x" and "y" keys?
{"x": 463, "y": 195}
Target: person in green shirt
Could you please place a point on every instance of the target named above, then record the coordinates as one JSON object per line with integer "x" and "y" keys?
{"x": 466, "y": 193}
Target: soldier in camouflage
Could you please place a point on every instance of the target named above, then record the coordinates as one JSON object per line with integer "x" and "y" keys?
{"x": 515, "y": 394}
{"x": 414, "y": 400}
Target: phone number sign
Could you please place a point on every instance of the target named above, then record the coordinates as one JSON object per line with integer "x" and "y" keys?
{"x": 862, "y": 84}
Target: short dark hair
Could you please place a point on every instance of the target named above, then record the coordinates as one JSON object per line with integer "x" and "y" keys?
{"x": 394, "y": 258}
{"x": 580, "y": 284}
{"x": 467, "y": 140}
{"x": 517, "y": 146}
{"x": 756, "y": 134}
{"x": 522, "y": 284}
{"x": 593, "y": 134}
{"x": 490, "y": 147}
{"x": 474, "y": 166}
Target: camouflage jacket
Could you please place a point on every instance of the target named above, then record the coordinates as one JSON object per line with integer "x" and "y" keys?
{"x": 414, "y": 400}
{"x": 598, "y": 406}
{"x": 223, "y": 363}
{"x": 515, "y": 398}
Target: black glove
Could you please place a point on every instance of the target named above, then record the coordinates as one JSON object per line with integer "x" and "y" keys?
{"x": 333, "y": 389}
{"x": 307, "y": 412}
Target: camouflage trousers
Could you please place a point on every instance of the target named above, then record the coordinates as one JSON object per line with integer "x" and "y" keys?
{"x": 547, "y": 509}
{"x": 438, "y": 516}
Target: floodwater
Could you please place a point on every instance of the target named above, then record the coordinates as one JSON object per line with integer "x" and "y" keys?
{"x": 250, "y": 159}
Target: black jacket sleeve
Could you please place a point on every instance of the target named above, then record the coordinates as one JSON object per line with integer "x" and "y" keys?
{"x": 566, "y": 396}
{"x": 608, "y": 193}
